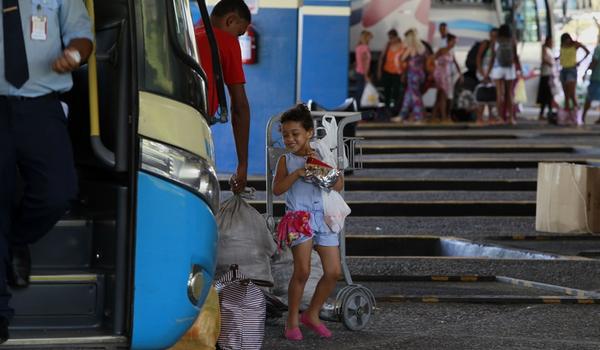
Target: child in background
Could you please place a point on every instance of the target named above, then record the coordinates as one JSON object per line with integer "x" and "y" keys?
{"x": 545, "y": 96}
{"x": 300, "y": 197}
{"x": 568, "y": 72}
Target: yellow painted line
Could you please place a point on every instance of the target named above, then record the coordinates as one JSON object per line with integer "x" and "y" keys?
{"x": 440, "y": 278}
{"x": 552, "y": 300}
{"x": 469, "y": 278}
{"x": 431, "y": 300}
{"x": 326, "y": 11}
{"x": 271, "y": 4}
{"x": 585, "y": 301}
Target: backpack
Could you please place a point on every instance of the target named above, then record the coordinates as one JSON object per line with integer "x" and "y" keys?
{"x": 471, "y": 61}
{"x": 243, "y": 312}
{"x": 505, "y": 53}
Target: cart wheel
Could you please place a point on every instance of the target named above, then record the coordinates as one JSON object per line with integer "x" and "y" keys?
{"x": 357, "y": 308}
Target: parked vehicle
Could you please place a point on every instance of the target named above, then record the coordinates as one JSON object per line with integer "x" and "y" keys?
{"x": 131, "y": 264}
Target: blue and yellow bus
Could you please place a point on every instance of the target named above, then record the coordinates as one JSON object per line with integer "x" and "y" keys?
{"x": 131, "y": 264}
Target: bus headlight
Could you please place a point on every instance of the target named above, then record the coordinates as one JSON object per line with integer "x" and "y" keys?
{"x": 182, "y": 167}
{"x": 196, "y": 284}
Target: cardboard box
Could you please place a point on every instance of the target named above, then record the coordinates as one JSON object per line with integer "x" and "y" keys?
{"x": 568, "y": 198}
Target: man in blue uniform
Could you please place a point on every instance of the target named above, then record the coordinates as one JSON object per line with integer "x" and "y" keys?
{"x": 41, "y": 43}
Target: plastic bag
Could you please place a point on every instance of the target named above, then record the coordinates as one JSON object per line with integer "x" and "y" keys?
{"x": 243, "y": 312}
{"x": 330, "y": 140}
{"x": 369, "y": 97}
{"x": 282, "y": 266}
{"x": 244, "y": 240}
{"x": 205, "y": 331}
{"x": 520, "y": 91}
{"x": 569, "y": 117}
{"x": 335, "y": 209}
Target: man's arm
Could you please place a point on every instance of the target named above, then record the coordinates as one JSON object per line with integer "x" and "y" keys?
{"x": 240, "y": 121}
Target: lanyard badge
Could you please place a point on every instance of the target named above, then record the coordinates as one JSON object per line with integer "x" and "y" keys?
{"x": 39, "y": 26}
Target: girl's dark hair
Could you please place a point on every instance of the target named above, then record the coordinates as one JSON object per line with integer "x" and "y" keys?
{"x": 505, "y": 32}
{"x": 565, "y": 39}
{"x": 300, "y": 114}
{"x": 450, "y": 37}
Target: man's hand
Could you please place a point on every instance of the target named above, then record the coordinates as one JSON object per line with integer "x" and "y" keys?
{"x": 68, "y": 62}
{"x": 239, "y": 180}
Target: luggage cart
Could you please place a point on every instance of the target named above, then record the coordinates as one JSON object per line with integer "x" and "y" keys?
{"x": 354, "y": 304}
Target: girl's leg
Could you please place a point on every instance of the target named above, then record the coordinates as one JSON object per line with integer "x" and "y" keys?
{"x": 509, "y": 103}
{"x": 300, "y": 275}
{"x": 444, "y": 106}
{"x": 571, "y": 86}
{"x": 360, "y": 87}
{"x": 542, "y": 108}
{"x": 566, "y": 93}
{"x": 332, "y": 270}
{"x": 434, "y": 110}
{"x": 500, "y": 99}
{"x": 418, "y": 108}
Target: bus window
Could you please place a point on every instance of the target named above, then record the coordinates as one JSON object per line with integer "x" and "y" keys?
{"x": 164, "y": 73}
{"x": 185, "y": 28}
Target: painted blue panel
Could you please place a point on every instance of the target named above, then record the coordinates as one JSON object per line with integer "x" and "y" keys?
{"x": 175, "y": 229}
{"x": 325, "y": 59}
{"x": 270, "y": 86}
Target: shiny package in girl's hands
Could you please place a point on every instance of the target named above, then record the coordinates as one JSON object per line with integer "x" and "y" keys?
{"x": 321, "y": 173}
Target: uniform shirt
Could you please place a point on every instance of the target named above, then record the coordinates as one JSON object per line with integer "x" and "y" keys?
{"x": 67, "y": 20}
{"x": 231, "y": 62}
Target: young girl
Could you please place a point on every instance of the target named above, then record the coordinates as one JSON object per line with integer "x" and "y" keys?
{"x": 303, "y": 196}
{"x": 569, "y": 64}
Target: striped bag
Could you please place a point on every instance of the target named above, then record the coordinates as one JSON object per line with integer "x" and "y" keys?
{"x": 243, "y": 312}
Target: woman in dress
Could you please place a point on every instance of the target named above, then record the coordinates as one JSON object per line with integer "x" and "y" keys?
{"x": 443, "y": 78}
{"x": 414, "y": 56}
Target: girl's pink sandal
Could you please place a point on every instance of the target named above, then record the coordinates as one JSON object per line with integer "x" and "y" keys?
{"x": 321, "y": 330}
{"x": 293, "y": 334}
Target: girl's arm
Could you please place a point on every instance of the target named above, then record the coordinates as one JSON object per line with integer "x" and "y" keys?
{"x": 283, "y": 181}
{"x": 587, "y": 52}
{"x": 339, "y": 184}
{"x": 492, "y": 61}
{"x": 516, "y": 58}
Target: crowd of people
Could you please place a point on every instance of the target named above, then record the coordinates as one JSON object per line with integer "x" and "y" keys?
{"x": 408, "y": 67}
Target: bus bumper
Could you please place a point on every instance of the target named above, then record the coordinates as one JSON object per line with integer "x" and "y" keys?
{"x": 176, "y": 235}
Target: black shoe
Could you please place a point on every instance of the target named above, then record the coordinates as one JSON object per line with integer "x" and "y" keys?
{"x": 20, "y": 267}
{"x": 3, "y": 329}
